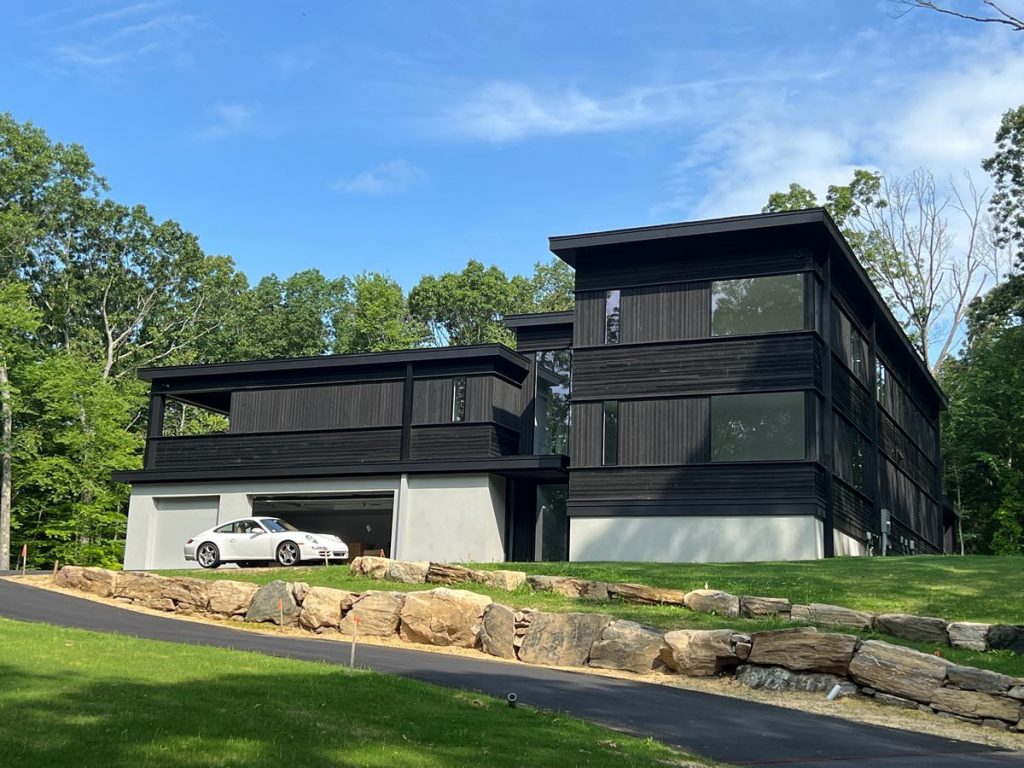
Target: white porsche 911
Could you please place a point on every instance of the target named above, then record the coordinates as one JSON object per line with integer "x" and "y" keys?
{"x": 253, "y": 540}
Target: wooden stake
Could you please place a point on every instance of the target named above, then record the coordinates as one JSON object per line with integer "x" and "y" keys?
{"x": 280, "y": 610}
{"x": 56, "y": 567}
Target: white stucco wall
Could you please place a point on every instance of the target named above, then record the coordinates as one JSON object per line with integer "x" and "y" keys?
{"x": 454, "y": 518}
{"x": 695, "y": 539}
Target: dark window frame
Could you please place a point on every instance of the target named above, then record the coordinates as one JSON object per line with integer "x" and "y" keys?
{"x": 612, "y": 316}
{"x": 807, "y": 304}
{"x": 458, "y": 399}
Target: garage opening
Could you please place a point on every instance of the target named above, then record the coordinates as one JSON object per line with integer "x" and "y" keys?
{"x": 362, "y": 520}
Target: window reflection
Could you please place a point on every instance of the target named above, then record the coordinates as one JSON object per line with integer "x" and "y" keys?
{"x": 551, "y": 401}
{"x": 758, "y": 427}
{"x": 757, "y": 305}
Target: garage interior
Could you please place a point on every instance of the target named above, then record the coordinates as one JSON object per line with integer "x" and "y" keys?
{"x": 361, "y": 520}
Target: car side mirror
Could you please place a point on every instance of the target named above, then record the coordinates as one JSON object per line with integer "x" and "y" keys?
{"x": 257, "y": 532}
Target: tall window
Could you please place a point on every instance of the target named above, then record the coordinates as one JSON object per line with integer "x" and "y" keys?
{"x": 551, "y": 403}
{"x": 612, "y": 316}
{"x": 849, "y": 343}
{"x": 881, "y": 383}
{"x": 459, "y": 398}
{"x": 758, "y": 427}
{"x": 610, "y": 455}
{"x": 757, "y": 305}
{"x": 848, "y": 454}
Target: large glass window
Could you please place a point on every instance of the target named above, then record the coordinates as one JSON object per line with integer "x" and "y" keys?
{"x": 551, "y": 402}
{"x": 610, "y": 455}
{"x": 612, "y": 316}
{"x": 757, "y": 305}
{"x": 758, "y": 427}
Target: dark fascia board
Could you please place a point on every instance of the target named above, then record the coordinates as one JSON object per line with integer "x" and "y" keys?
{"x": 553, "y": 465}
{"x": 539, "y": 318}
{"x": 568, "y": 247}
{"x": 327, "y": 362}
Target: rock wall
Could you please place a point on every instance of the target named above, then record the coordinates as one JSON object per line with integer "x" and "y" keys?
{"x": 798, "y": 658}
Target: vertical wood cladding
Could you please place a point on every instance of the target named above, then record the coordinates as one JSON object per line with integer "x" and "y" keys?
{"x": 666, "y": 312}
{"x": 432, "y": 401}
{"x": 851, "y": 398}
{"x": 588, "y": 328}
{"x": 339, "y": 406}
{"x": 653, "y": 432}
{"x": 507, "y": 404}
{"x": 587, "y": 434}
{"x": 775, "y": 361}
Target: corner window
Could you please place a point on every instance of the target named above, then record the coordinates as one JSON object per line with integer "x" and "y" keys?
{"x": 757, "y": 305}
{"x": 766, "y": 426}
{"x": 610, "y": 454}
{"x": 612, "y": 316}
{"x": 459, "y": 398}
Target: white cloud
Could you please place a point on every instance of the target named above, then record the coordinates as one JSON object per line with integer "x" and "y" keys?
{"x": 389, "y": 178}
{"x": 229, "y": 119}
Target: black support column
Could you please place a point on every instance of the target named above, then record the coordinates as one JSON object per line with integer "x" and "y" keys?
{"x": 828, "y": 540}
{"x": 156, "y": 424}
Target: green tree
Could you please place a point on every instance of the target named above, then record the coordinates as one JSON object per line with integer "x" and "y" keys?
{"x": 1007, "y": 169}
{"x": 467, "y": 307}
{"x": 377, "y": 318}
{"x": 554, "y": 283}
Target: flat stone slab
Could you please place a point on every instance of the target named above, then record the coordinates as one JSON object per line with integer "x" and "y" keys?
{"x": 765, "y": 607}
{"x": 629, "y": 646}
{"x": 712, "y": 601}
{"x": 926, "y": 629}
{"x": 968, "y": 634}
{"x": 562, "y": 639}
{"x": 974, "y": 704}
{"x": 699, "y": 652}
{"x": 897, "y": 670}
{"x": 803, "y": 649}
{"x": 822, "y": 614}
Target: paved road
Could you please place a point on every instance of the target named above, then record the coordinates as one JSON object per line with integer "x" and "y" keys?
{"x": 726, "y": 729}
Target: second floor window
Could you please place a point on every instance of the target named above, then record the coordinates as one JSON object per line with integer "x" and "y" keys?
{"x": 610, "y": 453}
{"x": 612, "y": 316}
{"x": 757, "y": 305}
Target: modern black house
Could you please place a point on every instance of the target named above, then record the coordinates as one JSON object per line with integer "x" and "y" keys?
{"x": 730, "y": 389}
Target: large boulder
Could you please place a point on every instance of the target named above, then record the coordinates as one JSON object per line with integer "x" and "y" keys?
{"x": 498, "y": 631}
{"x": 712, "y": 601}
{"x": 974, "y": 704}
{"x": 974, "y": 679}
{"x": 189, "y": 595}
{"x": 97, "y": 581}
{"x": 273, "y": 602}
{"x": 803, "y": 649}
{"x": 926, "y": 629}
{"x": 898, "y": 670}
{"x": 628, "y": 645}
{"x": 376, "y": 613}
{"x": 145, "y": 589}
{"x": 562, "y": 639}
{"x": 324, "y": 607}
{"x": 449, "y": 573}
{"x": 782, "y": 679}
{"x": 968, "y": 634}
{"x": 1006, "y": 637}
{"x": 407, "y": 571}
{"x": 699, "y": 652}
{"x": 507, "y": 580}
{"x": 230, "y": 598}
{"x": 443, "y": 617}
{"x": 641, "y": 593}
{"x": 765, "y": 607}
{"x": 825, "y": 615}
{"x": 570, "y": 587}
{"x": 370, "y": 567}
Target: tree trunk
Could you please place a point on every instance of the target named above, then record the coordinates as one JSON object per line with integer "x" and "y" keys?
{"x": 6, "y": 433}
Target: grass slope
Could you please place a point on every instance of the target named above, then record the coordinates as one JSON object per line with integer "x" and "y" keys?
{"x": 81, "y": 698}
{"x": 975, "y": 588}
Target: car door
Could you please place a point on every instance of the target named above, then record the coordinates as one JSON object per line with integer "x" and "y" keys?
{"x": 223, "y": 537}
{"x": 251, "y": 541}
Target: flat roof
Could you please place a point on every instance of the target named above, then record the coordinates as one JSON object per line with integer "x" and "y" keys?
{"x": 539, "y": 318}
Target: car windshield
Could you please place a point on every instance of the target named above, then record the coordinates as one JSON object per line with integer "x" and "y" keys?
{"x": 276, "y": 525}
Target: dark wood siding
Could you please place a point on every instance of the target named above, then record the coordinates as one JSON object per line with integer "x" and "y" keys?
{"x": 455, "y": 441}
{"x": 277, "y": 450}
{"x": 666, "y": 312}
{"x": 432, "y": 401}
{"x": 749, "y": 364}
{"x": 531, "y": 339}
{"x": 507, "y": 404}
{"x": 588, "y": 327}
{"x": 586, "y": 435}
{"x": 853, "y": 512}
{"x": 340, "y": 406}
{"x": 653, "y": 432}
{"x": 851, "y": 398}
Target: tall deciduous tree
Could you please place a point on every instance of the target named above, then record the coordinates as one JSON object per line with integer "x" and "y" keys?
{"x": 1007, "y": 168}
{"x": 377, "y": 318}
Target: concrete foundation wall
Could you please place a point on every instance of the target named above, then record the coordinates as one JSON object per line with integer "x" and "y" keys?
{"x": 847, "y": 546}
{"x": 695, "y": 539}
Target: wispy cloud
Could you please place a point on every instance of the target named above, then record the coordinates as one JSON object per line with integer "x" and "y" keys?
{"x": 390, "y": 178}
{"x": 230, "y": 119}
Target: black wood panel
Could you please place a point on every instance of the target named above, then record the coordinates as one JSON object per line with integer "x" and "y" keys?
{"x": 653, "y": 432}
{"x": 853, "y": 512}
{"x": 588, "y": 328}
{"x": 456, "y": 441}
{"x": 851, "y": 398}
{"x": 773, "y": 361}
{"x": 900, "y": 449}
{"x": 586, "y": 435}
{"x": 432, "y": 401}
{"x": 284, "y": 449}
{"x": 666, "y": 312}
{"x": 656, "y": 264}
{"x": 533, "y": 338}
{"x": 507, "y": 404}
{"x": 748, "y": 482}
{"x": 340, "y": 406}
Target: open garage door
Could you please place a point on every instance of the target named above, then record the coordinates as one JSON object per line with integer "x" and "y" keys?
{"x": 362, "y": 520}
{"x": 178, "y": 519}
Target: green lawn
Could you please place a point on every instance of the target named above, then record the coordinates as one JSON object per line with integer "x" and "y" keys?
{"x": 967, "y": 588}
{"x": 72, "y": 697}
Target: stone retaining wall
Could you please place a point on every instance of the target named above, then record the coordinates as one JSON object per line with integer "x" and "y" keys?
{"x": 961, "y": 634}
{"x": 799, "y": 658}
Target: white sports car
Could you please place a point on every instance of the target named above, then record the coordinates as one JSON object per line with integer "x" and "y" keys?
{"x": 253, "y": 540}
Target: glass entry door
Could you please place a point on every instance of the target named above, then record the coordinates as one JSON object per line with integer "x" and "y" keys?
{"x": 552, "y": 539}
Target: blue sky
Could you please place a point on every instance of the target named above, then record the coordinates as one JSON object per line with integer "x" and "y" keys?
{"x": 408, "y": 137}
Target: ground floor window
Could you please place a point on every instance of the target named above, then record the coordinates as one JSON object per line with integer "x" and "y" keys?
{"x": 764, "y": 426}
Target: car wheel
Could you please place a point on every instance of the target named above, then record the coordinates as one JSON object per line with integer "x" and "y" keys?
{"x": 208, "y": 555}
{"x": 288, "y": 553}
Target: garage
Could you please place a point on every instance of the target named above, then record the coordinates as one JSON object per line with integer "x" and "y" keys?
{"x": 177, "y": 519}
{"x": 362, "y": 520}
